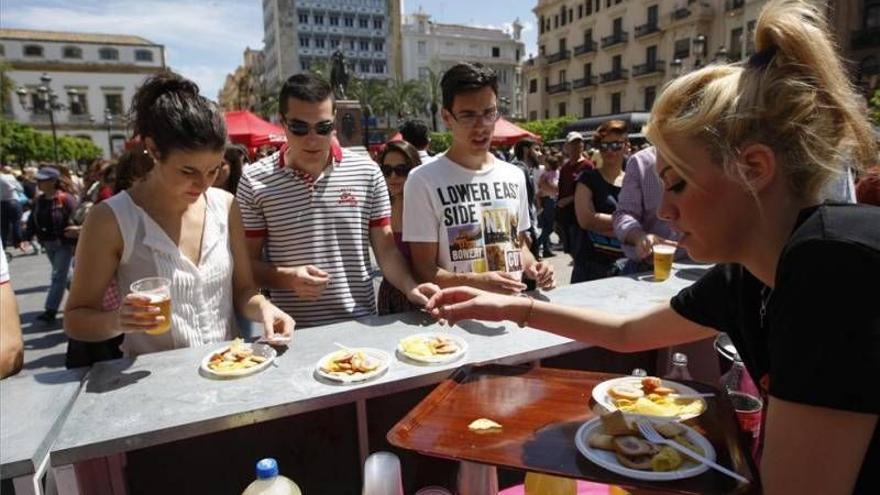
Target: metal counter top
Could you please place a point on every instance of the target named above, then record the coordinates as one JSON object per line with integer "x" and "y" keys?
{"x": 159, "y": 398}
{"x": 32, "y": 410}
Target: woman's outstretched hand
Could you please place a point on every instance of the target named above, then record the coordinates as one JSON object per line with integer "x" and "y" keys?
{"x": 467, "y": 303}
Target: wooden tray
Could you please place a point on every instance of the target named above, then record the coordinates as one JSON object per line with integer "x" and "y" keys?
{"x": 540, "y": 410}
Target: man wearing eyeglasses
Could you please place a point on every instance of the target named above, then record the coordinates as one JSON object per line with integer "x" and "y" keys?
{"x": 312, "y": 210}
{"x": 465, "y": 214}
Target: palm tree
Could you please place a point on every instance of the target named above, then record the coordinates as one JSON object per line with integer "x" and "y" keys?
{"x": 407, "y": 98}
{"x": 432, "y": 83}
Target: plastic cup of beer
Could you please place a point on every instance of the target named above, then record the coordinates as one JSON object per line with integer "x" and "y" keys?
{"x": 158, "y": 289}
{"x": 663, "y": 254}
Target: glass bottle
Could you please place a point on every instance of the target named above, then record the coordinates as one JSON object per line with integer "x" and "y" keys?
{"x": 678, "y": 368}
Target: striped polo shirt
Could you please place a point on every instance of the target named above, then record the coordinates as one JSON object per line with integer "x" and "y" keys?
{"x": 323, "y": 221}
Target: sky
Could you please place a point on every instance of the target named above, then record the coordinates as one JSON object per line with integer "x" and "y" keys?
{"x": 204, "y": 39}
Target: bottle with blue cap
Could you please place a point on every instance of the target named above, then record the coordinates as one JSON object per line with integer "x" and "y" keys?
{"x": 269, "y": 482}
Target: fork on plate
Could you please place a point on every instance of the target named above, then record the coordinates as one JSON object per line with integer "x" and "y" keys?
{"x": 647, "y": 430}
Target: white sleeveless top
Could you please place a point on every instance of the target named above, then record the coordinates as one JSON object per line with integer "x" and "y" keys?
{"x": 201, "y": 296}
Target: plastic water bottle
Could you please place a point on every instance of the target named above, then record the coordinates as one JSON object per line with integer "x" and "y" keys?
{"x": 269, "y": 482}
{"x": 678, "y": 369}
{"x": 737, "y": 379}
{"x": 732, "y": 380}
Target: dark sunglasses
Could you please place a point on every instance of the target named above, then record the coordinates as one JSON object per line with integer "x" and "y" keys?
{"x": 614, "y": 146}
{"x": 400, "y": 170}
{"x": 300, "y": 128}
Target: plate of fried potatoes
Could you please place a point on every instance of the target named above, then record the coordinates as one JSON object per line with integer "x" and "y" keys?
{"x": 432, "y": 347}
{"x": 614, "y": 442}
{"x": 238, "y": 359}
{"x": 353, "y": 365}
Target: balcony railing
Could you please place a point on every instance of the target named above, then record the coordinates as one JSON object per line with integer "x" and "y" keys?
{"x": 558, "y": 88}
{"x": 558, "y": 56}
{"x": 81, "y": 118}
{"x": 657, "y": 66}
{"x": 646, "y": 29}
{"x": 614, "y": 75}
{"x": 680, "y": 13}
{"x": 615, "y": 39}
{"x": 585, "y": 82}
{"x": 589, "y": 46}
{"x": 730, "y": 5}
{"x": 866, "y": 38}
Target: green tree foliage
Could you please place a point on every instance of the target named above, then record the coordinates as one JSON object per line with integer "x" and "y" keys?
{"x": 7, "y": 88}
{"x": 440, "y": 142}
{"x": 548, "y": 129}
{"x": 20, "y": 144}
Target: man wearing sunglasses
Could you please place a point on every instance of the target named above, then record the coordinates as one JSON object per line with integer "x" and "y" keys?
{"x": 312, "y": 211}
{"x": 465, "y": 213}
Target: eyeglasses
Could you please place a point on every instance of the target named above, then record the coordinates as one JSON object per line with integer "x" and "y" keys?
{"x": 612, "y": 146}
{"x": 401, "y": 170}
{"x": 469, "y": 119}
{"x": 300, "y": 128}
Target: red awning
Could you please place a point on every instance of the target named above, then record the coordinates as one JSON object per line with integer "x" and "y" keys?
{"x": 246, "y": 128}
{"x": 507, "y": 133}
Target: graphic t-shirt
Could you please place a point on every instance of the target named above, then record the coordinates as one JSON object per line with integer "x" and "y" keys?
{"x": 475, "y": 216}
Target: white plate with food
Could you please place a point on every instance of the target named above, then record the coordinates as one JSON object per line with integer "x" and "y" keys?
{"x": 432, "y": 347}
{"x": 238, "y": 359}
{"x": 622, "y": 450}
{"x": 649, "y": 396}
{"x": 353, "y": 365}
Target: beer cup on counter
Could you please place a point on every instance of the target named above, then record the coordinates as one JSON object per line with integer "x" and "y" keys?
{"x": 158, "y": 289}
{"x": 663, "y": 254}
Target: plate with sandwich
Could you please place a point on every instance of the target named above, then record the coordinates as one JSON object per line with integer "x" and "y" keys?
{"x": 353, "y": 365}
{"x": 238, "y": 359}
{"x": 614, "y": 443}
{"x": 432, "y": 347}
{"x": 649, "y": 396}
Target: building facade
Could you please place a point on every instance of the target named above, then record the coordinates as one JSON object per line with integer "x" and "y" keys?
{"x": 602, "y": 57}
{"x": 243, "y": 88}
{"x": 430, "y": 46}
{"x": 94, "y": 77}
{"x": 298, "y": 34}
{"x": 857, "y": 24}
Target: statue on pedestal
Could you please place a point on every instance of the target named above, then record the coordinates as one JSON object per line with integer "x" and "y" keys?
{"x": 338, "y": 75}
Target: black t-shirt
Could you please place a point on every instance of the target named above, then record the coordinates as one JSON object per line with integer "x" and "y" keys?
{"x": 819, "y": 341}
{"x": 597, "y": 247}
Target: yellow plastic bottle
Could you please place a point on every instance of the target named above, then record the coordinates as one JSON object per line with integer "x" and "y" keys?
{"x": 545, "y": 484}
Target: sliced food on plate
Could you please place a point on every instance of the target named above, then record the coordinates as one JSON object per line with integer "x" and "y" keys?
{"x": 431, "y": 347}
{"x": 350, "y": 362}
{"x": 650, "y": 396}
{"x": 238, "y": 356}
{"x": 631, "y": 450}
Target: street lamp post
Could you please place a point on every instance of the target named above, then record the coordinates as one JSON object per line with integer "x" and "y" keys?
{"x": 48, "y": 103}
{"x": 108, "y": 119}
{"x": 504, "y": 108}
{"x": 699, "y": 50}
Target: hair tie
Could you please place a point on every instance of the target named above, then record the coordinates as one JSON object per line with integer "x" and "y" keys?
{"x": 763, "y": 58}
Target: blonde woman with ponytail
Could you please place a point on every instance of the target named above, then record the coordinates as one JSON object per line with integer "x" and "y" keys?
{"x": 744, "y": 151}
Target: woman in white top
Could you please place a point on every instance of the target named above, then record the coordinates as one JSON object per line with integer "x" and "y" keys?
{"x": 171, "y": 224}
